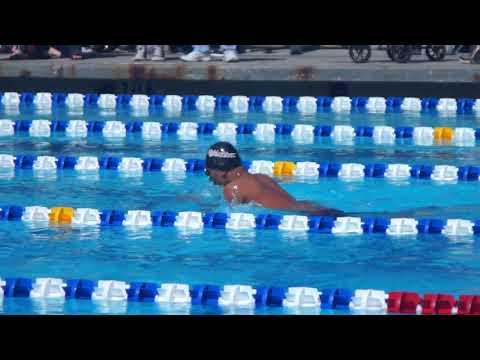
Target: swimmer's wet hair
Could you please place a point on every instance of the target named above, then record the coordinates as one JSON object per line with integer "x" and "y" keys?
{"x": 222, "y": 156}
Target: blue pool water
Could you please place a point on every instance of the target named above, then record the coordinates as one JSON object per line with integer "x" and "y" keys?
{"x": 423, "y": 263}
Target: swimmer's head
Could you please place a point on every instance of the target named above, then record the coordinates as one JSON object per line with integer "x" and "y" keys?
{"x": 221, "y": 158}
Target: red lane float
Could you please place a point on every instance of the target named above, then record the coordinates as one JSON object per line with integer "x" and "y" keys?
{"x": 438, "y": 304}
{"x": 469, "y": 305}
{"x": 403, "y": 302}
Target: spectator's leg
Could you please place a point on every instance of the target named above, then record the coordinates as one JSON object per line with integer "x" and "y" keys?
{"x": 453, "y": 49}
{"x": 141, "y": 53}
{"x": 18, "y": 52}
{"x": 216, "y": 52}
{"x": 185, "y": 49}
{"x": 473, "y": 57}
{"x": 5, "y": 49}
{"x": 215, "y": 48}
{"x": 230, "y": 53}
{"x": 157, "y": 53}
{"x": 204, "y": 49}
{"x": 242, "y": 48}
{"x": 75, "y": 52}
{"x": 476, "y": 55}
{"x": 72, "y": 51}
{"x": 54, "y": 52}
{"x": 59, "y": 51}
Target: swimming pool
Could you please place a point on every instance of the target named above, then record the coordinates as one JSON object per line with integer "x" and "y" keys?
{"x": 422, "y": 263}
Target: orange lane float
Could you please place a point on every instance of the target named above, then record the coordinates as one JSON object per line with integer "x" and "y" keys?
{"x": 61, "y": 215}
{"x": 283, "y": 168}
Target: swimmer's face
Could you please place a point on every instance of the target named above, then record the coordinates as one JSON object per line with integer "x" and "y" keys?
{"x": 218, "y": 177}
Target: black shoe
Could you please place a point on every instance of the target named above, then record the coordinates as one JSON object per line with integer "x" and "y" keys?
{"x": 296, "y": 50}
{"x": 465, "y": 59}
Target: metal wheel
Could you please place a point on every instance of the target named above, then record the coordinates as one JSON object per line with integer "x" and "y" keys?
{"x": 436, "y": 52}
{"x": 401, "y": 53}
{"x": 360, "y": 53}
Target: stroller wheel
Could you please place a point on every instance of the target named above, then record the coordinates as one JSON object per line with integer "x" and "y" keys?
{"x": 360, "y": 53}
{"x": 401, "y": 53}
{"x": 436, "y": 52}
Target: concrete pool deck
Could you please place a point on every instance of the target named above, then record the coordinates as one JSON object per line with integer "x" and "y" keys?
{"x": 325, "y": 71}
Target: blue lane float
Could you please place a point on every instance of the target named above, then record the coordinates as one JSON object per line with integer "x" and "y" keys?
{"x": 299, "y": 133}
{"x": 239, "y": 297}
{"x": 194, "y": 220}
{"x": 304, "y": 104}
{"x": 298, "y": 170}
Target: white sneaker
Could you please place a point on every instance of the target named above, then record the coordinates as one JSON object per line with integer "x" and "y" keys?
{"x": 195, "y": 56}
{"x": 157, "y": 54}
{"x": 140, "y": 55}
{"x": 230, "y": 56}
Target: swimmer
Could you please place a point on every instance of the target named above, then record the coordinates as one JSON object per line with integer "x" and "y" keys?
{"x": 224, "y": 168}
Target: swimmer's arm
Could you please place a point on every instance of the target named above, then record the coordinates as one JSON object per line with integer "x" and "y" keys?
{"x": 315, "y": 209}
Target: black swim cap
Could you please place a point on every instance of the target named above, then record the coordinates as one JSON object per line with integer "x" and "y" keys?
{"x": 222, "y": 156}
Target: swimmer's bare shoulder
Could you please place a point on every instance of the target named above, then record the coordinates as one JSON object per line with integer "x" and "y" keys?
{"x": 235, "y": 191}
{"x": 242, "y": 190}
